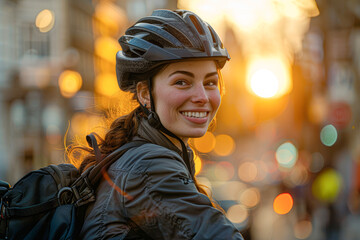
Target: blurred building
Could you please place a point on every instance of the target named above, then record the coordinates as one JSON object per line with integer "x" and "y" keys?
{"x": 39, "y": 40}
{"x": 53, "y": 55}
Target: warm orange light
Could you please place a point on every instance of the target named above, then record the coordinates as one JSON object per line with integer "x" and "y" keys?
{"x": 111, "y": 17}
{"x": 268, "y": 77}
{"x": 119, "y": 104}
{"x": 82, "y": 123}
{"x": 106, "y": 48}
{"x": 198, "y": 164}
{"x": 225, "y": 145}
{"x": 206, "y": 143}
{"x": 283, "y": 203}
{"x": 264, "y": 83}
{"x": 70, "y": 83}
{"x": 106, "y": 84}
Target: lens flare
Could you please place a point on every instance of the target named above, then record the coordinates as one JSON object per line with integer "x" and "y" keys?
{"x": 115, "y": 187}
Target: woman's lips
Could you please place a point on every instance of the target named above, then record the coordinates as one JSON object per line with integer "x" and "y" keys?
{"x": 198, "y": 117}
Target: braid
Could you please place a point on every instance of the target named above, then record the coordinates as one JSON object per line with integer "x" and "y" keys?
{"x": 121, "y": 131}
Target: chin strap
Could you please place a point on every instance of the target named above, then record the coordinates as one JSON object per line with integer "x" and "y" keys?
{"x": 154, "y": 121}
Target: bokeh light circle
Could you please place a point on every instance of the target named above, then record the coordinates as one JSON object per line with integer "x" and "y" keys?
{"x": 45, "y": 20}
{"x": 326, "y": 186}
{"x": 237, "y": 213}
{"x": 205, "y": 143}
{"x": 328, "y": 135}
{"x": 247, "y": 171}
{"x": 250, "y": 197}
{"x": 283, "y": 203}
{"x": 70, "y": 83}
{"x": 225, "y": 145}
{"x": 286, "y": 155}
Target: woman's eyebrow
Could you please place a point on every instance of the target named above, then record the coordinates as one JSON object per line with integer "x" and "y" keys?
{"x": 211, "y": 74}
{"x": 190, "y": 74}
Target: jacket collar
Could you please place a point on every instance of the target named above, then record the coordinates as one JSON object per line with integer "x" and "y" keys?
{"x": 153, "y": 135}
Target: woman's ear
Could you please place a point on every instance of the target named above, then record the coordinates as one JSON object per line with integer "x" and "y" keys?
{"x": 143, "y": 95}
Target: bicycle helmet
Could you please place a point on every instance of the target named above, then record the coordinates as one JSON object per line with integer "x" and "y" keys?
{"x": 165, "y": 36}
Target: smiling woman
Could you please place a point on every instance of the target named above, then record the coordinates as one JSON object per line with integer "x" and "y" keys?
{"x": 186, "y": 97}
{"x": 171, "y": 62}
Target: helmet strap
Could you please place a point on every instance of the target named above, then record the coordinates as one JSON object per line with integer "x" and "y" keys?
{"x": 154, "y": 121}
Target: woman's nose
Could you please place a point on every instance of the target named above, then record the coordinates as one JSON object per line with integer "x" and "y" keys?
{"x": 200, "y": 95}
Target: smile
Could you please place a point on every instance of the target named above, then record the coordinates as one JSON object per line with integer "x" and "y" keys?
{"x": 195, "y": 114}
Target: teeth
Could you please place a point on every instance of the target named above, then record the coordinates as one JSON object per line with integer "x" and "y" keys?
{"x": 195, "y": 114}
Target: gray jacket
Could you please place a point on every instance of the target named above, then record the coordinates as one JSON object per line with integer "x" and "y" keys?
{"x": 149, "y": 194}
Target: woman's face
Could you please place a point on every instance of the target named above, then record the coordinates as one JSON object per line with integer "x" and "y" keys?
{"x": 187, "y": 97}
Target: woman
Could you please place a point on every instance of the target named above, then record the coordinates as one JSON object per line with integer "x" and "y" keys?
{"x": 171, "y": 61}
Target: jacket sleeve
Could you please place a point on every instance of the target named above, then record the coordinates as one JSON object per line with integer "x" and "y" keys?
{"x": 166, "y": 205}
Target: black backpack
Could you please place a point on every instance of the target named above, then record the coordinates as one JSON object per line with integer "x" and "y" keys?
{"x": 50, "y": 203}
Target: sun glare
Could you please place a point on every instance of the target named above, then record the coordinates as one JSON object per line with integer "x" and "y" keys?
{"x": 268, "y": 77}
{"x": 264, "y": 83}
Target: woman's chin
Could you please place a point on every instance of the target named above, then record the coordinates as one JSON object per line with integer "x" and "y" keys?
{"x": 197, "y": 134}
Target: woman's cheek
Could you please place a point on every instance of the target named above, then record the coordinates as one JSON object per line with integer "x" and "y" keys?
{"x": 216, "y": 100}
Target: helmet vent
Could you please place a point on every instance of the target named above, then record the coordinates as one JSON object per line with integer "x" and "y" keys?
{"x": 138, "y": 52}
{"x": 213, "y": 37}
{"x": 197, "y": 25}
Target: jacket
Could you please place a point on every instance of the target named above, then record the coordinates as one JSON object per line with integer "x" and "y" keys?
{"x": 149, "y": 194}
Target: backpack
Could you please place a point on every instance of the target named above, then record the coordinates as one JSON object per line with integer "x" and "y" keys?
{"x": 50, "y": 203}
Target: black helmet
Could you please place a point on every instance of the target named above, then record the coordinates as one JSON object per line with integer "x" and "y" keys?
{"x": 165, "y": 36}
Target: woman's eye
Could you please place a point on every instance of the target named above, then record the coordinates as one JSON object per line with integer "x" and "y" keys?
{"x": 180, "y": 82}
{"x": 212, "y": 83}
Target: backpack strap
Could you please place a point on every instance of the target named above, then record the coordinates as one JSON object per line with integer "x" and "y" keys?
{"x": 81, "y": 192}
{"x": 91, "y": 139}
{"x": 83, "y": 188}
{"x": 96, "y": 173}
